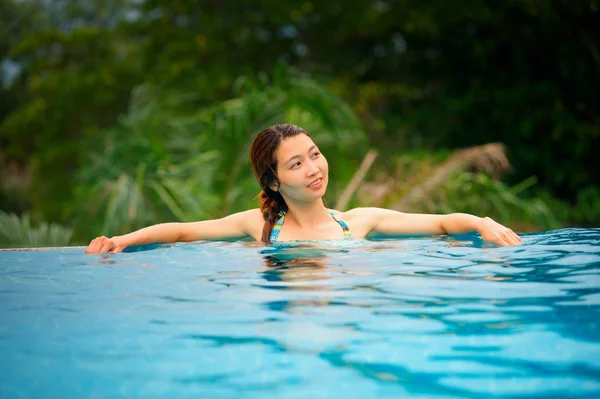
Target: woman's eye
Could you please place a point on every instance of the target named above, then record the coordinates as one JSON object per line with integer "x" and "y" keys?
{"x": 296, "y": 165}
{"x": 316, "y": 154}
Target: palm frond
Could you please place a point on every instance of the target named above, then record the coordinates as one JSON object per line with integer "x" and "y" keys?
{"x": 467, "y": 181}
{"x": 167, "y": 161}
{"x": 490, "y": 158}
{"x": 18, "y": 232}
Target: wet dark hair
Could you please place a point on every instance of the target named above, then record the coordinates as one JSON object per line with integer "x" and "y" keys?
{"x": 263, "y": 155}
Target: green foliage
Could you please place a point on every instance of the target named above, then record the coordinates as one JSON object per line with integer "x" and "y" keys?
{"x": 420, "y": 74}
{"x": 289, "y": 97}
{"x": 18, "y": 232}
{"x": 520, "y": 72}
{"x": 165, "y": 161}
{"x": 587, "y": 209}
{"x": 152, "y": 167}
{"x": 478, "y": 194}
{"x": 465, "y": 189}
{"x": 585, "y": 212}
{"x": 71, "y": 79}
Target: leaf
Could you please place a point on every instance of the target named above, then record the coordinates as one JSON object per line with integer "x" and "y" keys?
{"x": 18, "y": 232}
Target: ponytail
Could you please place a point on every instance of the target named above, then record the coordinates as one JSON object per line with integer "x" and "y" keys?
{"x": 263, "y": 155}
{"x": 271, "y": 203}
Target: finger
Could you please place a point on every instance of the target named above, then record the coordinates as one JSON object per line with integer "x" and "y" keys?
{"x": 516, "y": 240}
{"x": 500, "y": 241}
{"x": 107, "y": 247}
{"x": 519, "y": 239}
{"x": 507, "y": 238}
{"x": 102, "y": 241}
{"x": 513, "y": 238}
{"x": 512, "y": 241}
{"x": 94, "y": 246}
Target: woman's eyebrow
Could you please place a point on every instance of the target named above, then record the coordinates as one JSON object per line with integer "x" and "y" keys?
{"x": 298, "y": 156}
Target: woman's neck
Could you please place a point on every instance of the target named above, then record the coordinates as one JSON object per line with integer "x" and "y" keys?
{"x": 308, "y": 215}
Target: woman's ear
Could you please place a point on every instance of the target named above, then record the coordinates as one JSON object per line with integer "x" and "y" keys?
{"x": 275, "y": 186}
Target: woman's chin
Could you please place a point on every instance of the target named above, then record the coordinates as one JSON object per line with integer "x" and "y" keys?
{"x": 319, "y": 193}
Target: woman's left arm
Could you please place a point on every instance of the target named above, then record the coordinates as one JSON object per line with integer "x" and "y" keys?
{"x": 389, "y": 222}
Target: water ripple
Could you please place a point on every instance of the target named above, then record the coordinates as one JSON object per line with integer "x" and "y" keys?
{"x": 449, "y": 317}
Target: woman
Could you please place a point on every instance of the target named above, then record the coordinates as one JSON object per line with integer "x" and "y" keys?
{"x": 293, "y": 175}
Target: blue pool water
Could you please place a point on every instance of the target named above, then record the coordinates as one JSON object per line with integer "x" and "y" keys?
{"x": 415, "y": 318}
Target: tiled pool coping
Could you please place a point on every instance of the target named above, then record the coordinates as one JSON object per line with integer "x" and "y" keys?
{"x": 40, "y": 248}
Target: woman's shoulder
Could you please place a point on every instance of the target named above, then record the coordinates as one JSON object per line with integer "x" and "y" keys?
{"x": 355, "y": 214}
{"x": 359, "y": 220}
{"x": 251, "y": 221}
{"x": 251, "y": 216}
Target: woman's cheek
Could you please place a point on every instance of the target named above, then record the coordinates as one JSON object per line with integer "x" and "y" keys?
{"x": 325, "y": 164}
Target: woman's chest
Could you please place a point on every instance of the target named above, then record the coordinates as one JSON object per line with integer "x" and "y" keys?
{"x": 329, "y": 231}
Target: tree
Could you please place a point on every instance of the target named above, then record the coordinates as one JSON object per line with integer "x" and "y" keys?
{"x": 165, "y": 161}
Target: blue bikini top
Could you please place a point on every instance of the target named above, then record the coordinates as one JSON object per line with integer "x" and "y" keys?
{"x": 281, "y": 219}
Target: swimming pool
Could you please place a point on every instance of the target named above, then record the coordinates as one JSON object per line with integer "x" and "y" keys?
{"x": 418, "y": 318}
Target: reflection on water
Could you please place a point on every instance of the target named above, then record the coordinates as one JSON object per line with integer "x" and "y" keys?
{"x": 418, "y": 317}
{"x": 296, "y": 265}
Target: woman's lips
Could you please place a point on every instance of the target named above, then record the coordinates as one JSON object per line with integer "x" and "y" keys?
{"x": 316, "y": 184}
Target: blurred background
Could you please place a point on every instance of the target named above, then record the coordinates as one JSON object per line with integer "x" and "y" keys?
{"x": 117, "y": 114}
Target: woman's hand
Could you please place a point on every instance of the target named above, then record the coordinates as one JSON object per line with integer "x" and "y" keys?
{"x": 495, "y": 233}
{"x": 104, "y": 244}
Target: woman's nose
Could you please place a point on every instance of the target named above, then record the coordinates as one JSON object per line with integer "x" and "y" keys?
{"x": 312, "y": 168}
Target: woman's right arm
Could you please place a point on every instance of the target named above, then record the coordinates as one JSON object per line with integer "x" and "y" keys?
{"x": 238, "y": 225}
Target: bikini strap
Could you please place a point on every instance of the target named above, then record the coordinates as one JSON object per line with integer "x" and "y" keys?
{"x": 277, "y": 227}
{"x": 347, "y": 234}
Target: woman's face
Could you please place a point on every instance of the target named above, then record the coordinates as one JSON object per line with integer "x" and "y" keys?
{"x": 302, "y": 169}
